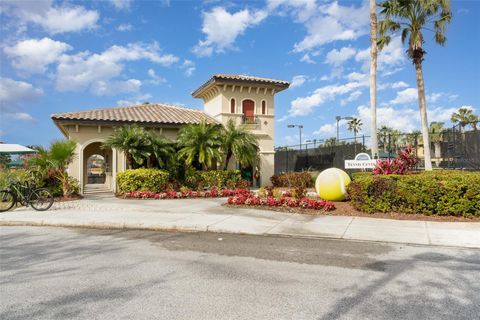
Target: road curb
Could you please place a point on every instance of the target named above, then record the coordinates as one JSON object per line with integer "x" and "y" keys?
{"x": 105, "y": 226}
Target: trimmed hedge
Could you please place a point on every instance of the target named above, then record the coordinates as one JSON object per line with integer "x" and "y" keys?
{"x": 293, "y": 180}
{"x": 213, "y": 178}
{"x": 142, "y": 180}
{"x": 454, "y": 193}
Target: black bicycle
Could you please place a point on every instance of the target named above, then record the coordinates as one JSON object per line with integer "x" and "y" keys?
{"x": 26, "y": 194}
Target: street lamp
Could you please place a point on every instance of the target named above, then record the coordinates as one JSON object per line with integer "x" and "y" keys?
{"x": 300, "y": 127}
{"x": 338, "y": 118}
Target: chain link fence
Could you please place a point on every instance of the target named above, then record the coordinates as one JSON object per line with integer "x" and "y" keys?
{"x": 454, "y": 148}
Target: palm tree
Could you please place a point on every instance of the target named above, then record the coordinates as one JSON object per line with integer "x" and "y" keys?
{"x": 411, "y": 17}
{"x": 200, "y": 143}
{"x": 373, "y": 77}
{"x": 240, "y": 143}
{"x": 436, "y": 136}
{"x": 162, "y": 151}
{"x": 54, "y": 162}
{"x": 134, "y": 141}
{"x": 383, "y": 133}
{"x": 412, "y": 139}
{"x": 355, "y": 125}
{"x": 465, "y": 116}
{"x": 330, "y": 142}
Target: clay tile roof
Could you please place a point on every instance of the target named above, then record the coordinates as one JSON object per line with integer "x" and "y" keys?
{"x": 220, "y": 78}
{"x": 145, "y": 113}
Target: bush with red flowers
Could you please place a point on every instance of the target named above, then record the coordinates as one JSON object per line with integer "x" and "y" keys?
{"x": 305, "y": 203}
{"x": 187, "y": 193}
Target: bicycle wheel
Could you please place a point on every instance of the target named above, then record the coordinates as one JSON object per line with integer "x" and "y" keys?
{"x": 7, "y": 200}
{"x": 41, "y": 199}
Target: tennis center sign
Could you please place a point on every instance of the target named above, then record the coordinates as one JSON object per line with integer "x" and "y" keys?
{"x": 362, "y": 161}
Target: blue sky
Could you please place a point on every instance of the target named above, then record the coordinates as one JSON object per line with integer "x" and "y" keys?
{"x": 59, "y": 56}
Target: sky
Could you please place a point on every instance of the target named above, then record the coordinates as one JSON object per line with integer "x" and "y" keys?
{"x": 60, "y": 56}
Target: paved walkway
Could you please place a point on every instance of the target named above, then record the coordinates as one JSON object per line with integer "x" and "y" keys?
{"x": 209, "y": 215}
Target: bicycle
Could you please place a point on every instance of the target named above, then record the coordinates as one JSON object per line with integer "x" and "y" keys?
{"x": 26, "y": 194}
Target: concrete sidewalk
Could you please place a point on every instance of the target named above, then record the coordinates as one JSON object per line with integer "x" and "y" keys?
{"x": 209, "y": 215}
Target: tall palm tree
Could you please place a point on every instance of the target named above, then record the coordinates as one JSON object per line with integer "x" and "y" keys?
{"x": 134, "y": 141}
{"x": 240, "y": 143}
{"x": 465, "y": 116}
{"x": 355, "y": 125}
{"x": 412, "y": 17}
{"x": 436, "y": 136}
{"x": 162, "y": 149}
{"x": 200, "y": 143}
{"x": 373, "y": 77}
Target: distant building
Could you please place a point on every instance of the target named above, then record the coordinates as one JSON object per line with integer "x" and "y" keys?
{"x": 248, "y": 100}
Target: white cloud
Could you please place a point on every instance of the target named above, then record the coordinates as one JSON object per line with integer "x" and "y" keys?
{"x": 53, "y": 19}
{"x": 23, "y": 116}
{"x": 399, "y": 84}
{"x": 302, "y": 10}
{"x": 405, "y": 119}
{"x": 356, "y": 76}
{"x": 14, "y": 95}
{"x": 408, "y": 95}
{"x": 304, "y": 105}
{"x": 222, "y": 29}
{"x": 352, "y": 97}
{"x": 155, "y": 79}
{"x": 390, "y": 60}
{"x": 189, "y": 67}
{"x": 339, "y": 57}
{"x": 102, "y": 88}
{"x": 326, "y": 129}
{"x": 121, "y": 4}
{"x": 137, "y": 99}
{"x": 93, "y": 71}
{"x": 333, "y": 22}
{"x": 125, "y": 27}
{"x": 34, "y": 55}
{"x": 298, "y": 81}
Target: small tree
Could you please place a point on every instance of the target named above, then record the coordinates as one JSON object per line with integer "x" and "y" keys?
{"x": 240, "y": 143}
{"x": 200, "y": 143}
{"x": 464, "y": 117}
{"x": 134, "y": 141}
{"x": 436, "y": 136}
{"x": 54, "y": 162}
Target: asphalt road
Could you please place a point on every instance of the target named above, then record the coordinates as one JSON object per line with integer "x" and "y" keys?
{"x": 55, "y": 273}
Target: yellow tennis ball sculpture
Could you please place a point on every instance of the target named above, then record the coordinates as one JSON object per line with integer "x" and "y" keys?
{"x": 331, "y": 184}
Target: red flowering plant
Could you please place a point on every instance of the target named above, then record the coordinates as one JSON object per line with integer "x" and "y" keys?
{"x": 185, "y": 193}
{"x": 306, "y": 203}
{"x": 402, "y": 164}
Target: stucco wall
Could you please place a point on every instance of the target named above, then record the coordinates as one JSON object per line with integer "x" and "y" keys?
{"x": 84, "y": 135}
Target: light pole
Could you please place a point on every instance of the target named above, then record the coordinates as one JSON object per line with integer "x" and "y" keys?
{"x": 300, "y": 127}
{"x": 338, "y": 118}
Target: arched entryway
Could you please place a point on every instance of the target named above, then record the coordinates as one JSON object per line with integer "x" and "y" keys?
{"x": 97, "y": 168}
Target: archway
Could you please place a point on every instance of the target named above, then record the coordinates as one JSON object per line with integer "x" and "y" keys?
{"x": 97, "y": 167}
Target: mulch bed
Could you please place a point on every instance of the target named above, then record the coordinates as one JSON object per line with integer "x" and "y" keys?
{"x": 345, "y": 209}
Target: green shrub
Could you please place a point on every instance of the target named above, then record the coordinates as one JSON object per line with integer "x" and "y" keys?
{"x": 8, "y": 176}
{"x": 142, "y": 180}
{"x": 293, "y": 180}
{"x": 433, "y": 193}
{"x": 212, "y": 178}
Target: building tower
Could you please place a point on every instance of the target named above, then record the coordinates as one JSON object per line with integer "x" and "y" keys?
{"x": 249, "y": 101}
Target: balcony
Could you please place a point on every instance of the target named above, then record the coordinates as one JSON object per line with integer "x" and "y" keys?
{"x": 252, "y": 123}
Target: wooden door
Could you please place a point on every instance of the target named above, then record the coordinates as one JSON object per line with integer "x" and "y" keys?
{"x": 248, "y": 110}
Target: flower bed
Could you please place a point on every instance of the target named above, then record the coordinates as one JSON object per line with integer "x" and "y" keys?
{"x": 305, "y": 203}
{"x": 186, "y": 194}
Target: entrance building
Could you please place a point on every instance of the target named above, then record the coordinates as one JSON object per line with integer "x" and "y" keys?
{"x": 248, "y": 100}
